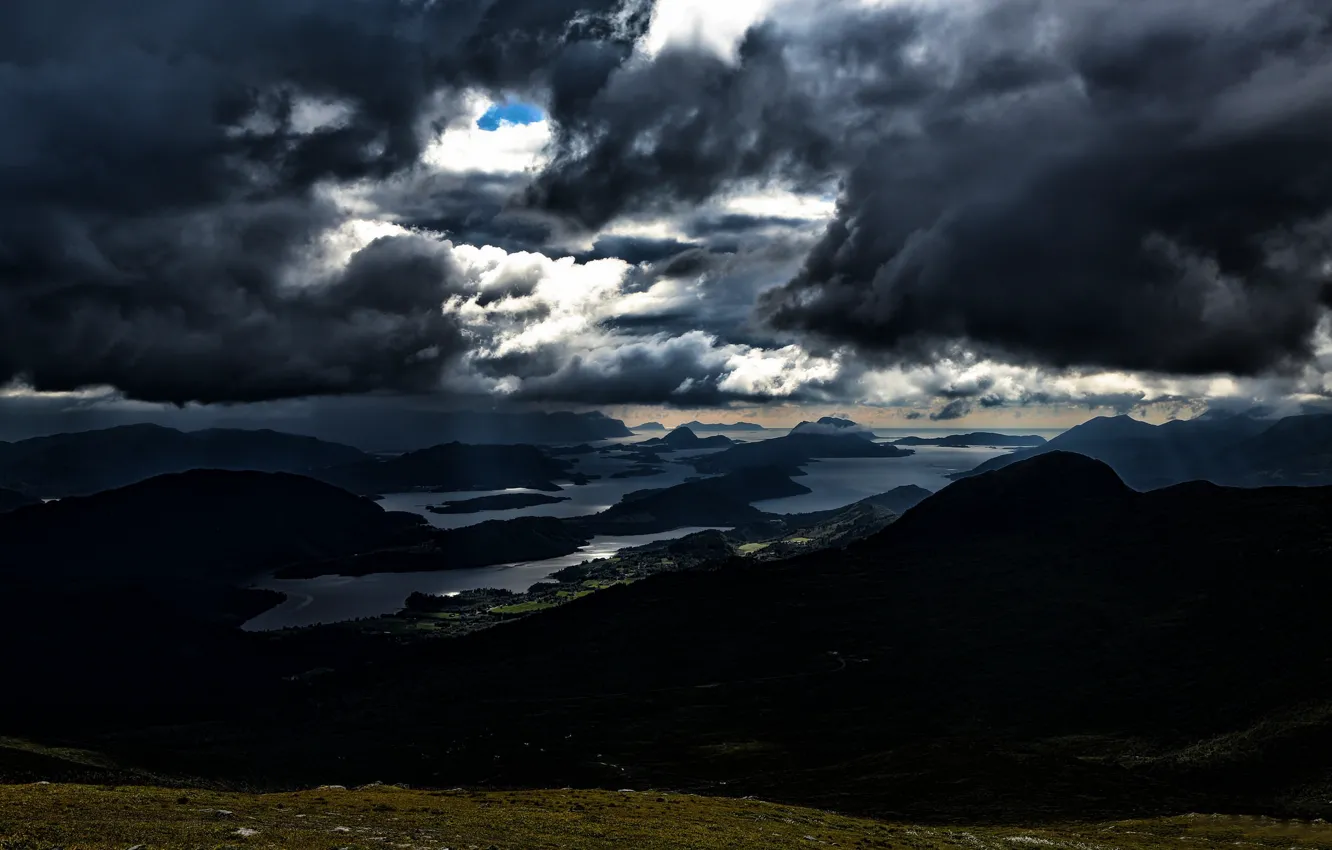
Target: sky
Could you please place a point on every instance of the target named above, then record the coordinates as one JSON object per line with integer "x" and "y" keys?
{"x": 997, "y": 213}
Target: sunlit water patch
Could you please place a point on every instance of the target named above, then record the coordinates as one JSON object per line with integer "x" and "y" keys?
{"x": 333, "y": 599}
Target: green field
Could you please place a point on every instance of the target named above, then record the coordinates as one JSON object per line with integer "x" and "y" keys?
{"x": 751, "y": 548}
{"x": 82, "y": 817}
{"x": 522, "y": 608}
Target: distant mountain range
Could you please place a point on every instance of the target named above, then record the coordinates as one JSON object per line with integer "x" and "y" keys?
{"x": 1225, "y": 449}
{"x": 371, "y": 428}
{"x": 87, "y": 462}
{"x": 402, "y": 431}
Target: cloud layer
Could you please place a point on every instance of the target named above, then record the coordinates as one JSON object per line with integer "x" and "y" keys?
{"x": 1070, "y": 183}
{"x": 951, "y": 207}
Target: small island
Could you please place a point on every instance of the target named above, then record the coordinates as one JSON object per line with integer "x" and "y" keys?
{"x": 721, "y": 426}
{"x": 683, "y": 439}
{"x": 977, "y": 440}
{"x": 499, "y": 502}
{"x": 639, "y": 471}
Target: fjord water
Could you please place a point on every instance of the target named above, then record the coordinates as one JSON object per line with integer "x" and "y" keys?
{"x": 333, "y": 599}
{"x": 833, "y": 483}
{"x": 837, "y": 482}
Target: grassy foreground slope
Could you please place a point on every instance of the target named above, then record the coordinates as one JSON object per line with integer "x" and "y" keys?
{"x": 36, "y": 817}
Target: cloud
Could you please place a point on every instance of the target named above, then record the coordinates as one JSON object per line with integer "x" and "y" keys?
{"x": 563, "y": 331}
{"x": 166, "y": 208}
{"x": 956, "y": 409}
{"x": 947, "y": 207}
{"x": 675, "y": 129}
{"x": 1070, "y": 184}
{"x": 1139, "y": 220}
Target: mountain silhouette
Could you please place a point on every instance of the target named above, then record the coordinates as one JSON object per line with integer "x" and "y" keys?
{"x": 197, "y": 525}
{"x": 12, "y": 500}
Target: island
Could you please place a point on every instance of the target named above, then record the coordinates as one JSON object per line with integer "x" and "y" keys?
{"x": 793, "y": 451}
{"x": 496, "y": 541}
{"x": 712, "y": 426}
{"x": 683, "y": 439}
{"x": 453, "y": 467}
{"x": 721, "y": 501}
{"x": 978, "y": 439}
{"x": 649, "y": 426}
{"x": 499, "y": 502}
{"x": 639, "y": 471}
{"x": 832, "y": 426}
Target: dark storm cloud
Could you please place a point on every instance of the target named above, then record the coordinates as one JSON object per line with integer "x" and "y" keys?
{"x": 952, "y": 410}
{"x": 734, "y": 225}
{"x": 652, "y": 368}
{"x": 470, "y": 207}
{"x": 674, "y": 129}
{"x": 160, "y": 174}
{"x": 634, "y": 249}
{"x": 713, "y": 289}
{"x": 213, "y": 320}
{"x": 691, "y": 263}
{"x": 1070, "y": 183}
{"x": 650, "y": 371}
{"x": 1145, "y": 195}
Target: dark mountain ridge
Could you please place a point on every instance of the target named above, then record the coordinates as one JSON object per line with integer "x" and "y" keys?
{"x": 211, "y": 525}
{"x": 11, "y": 500}
{"x": 90, "y": 461}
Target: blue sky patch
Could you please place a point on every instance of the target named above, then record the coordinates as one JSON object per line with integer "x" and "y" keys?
{"x": 511, "y": 112}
